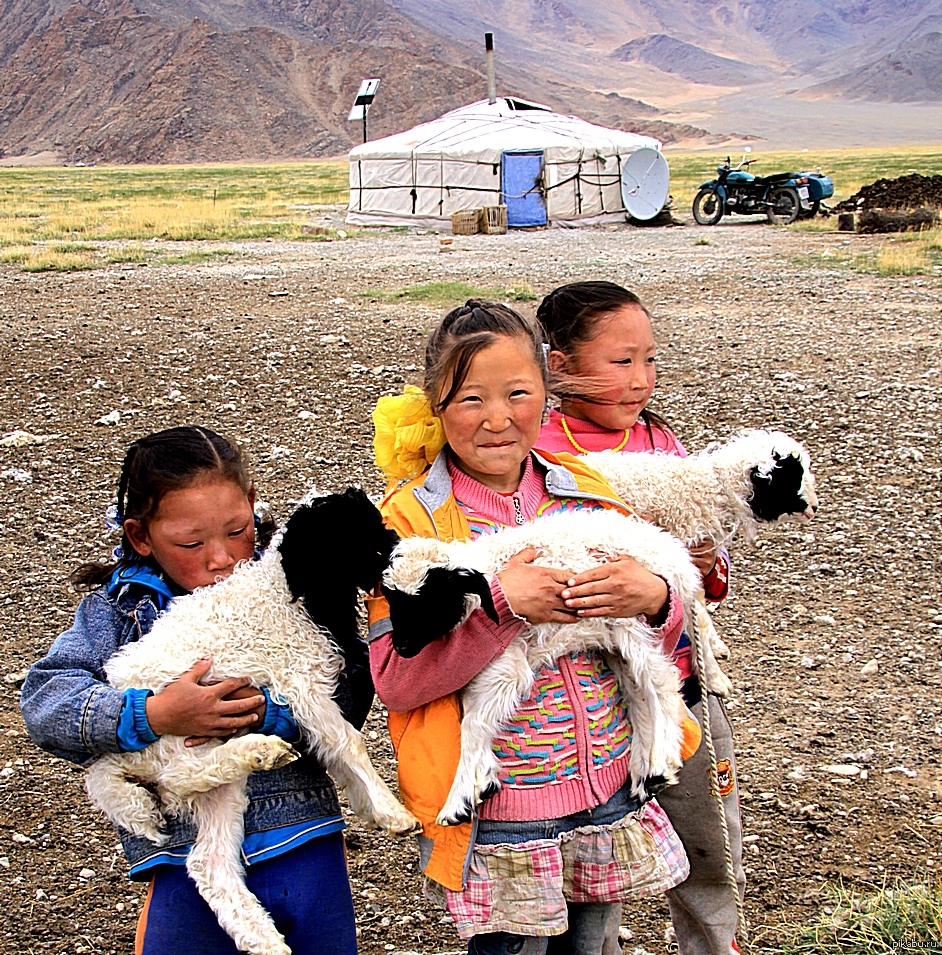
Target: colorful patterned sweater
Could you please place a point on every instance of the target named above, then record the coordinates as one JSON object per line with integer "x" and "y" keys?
{"x": 565, "y": 748}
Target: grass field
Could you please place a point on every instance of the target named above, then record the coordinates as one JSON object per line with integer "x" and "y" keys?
{"x": 223, "y": 203}
{"x": 70, "y": 218}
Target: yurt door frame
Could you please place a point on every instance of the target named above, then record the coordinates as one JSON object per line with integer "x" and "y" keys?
{"x": 521, "y": 186}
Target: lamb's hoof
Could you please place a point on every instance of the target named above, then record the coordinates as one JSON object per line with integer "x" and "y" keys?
{"x": 456, "y": 817}
{"x": 402, "y": 823}
{"x": 489, "y": 792}
{"x": 653, "y": 785}
{"x": 272, "y": 753}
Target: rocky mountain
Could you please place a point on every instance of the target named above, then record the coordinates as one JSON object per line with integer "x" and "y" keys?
{"x": 216, "y": 80}
{"x": 689, "y": 61}
{"x": 223, "y": 80}
{"x": 912, "y": 73}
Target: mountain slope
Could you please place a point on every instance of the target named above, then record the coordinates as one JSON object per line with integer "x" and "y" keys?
{"x": 691, "y": 62}
{"x": 110, "y": 80}
{"x": 910, "y": 74}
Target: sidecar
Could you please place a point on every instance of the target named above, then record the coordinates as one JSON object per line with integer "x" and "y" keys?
{"x": 812, "y": 188}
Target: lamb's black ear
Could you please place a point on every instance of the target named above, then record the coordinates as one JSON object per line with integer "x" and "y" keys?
{"x": 436, "y": 608}
{"x": 779, "y": 492}
{"x": 335, "y": 540}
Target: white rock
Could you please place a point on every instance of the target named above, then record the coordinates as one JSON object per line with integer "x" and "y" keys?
{"x": 279, "y": 451}
{"x": 5, "y": 862}
{"x": 19, "y": 439}
{"x": 17, "y": 474}
{"x": 87, "y": 874}
{"x": 110, "y": 419}
{"x": 870, "y": 669}
{"x": 809, "y": 662}
{"x": 19, "y": 837}
{"x": 824, "y": 618}
{"x": 841, "y": 769}
{"x": 304, "y": 415}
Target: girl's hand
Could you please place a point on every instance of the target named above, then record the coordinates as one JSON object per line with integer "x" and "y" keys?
{"x": 703, "y": 554}
{"x": 534, "y": 592}
{"x": 188, "y": 708}
{"x": 243, "y": 693}
{"x": 619, "y": 588}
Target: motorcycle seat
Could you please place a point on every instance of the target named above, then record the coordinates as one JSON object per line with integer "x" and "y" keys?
{"x": 776, "y": 177}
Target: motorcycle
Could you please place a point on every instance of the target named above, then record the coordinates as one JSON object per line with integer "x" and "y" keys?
{"x": 783, "y": 196}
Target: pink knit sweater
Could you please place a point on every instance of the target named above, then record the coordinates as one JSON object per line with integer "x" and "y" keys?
{"x": 565, "y": 749}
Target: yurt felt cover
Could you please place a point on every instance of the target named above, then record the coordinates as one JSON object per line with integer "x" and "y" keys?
{"x": 423, "y": 175}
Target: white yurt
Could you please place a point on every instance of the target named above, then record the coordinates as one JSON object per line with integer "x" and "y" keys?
{"x": 547, "y": 168}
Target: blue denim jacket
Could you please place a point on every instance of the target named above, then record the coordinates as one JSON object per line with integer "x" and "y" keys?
{"x": 71, "y": 711}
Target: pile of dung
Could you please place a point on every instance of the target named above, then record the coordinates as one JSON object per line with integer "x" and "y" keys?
{"x": 907, "y": 192}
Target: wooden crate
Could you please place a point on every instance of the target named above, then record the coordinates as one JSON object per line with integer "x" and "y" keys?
{"x": 465, "y": 222}
{"x": 494, "y": 220}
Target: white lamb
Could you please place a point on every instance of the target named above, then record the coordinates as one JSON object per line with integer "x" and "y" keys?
{"x": 269, "y": 621}
{"x": 424, "y": 570}
{"x": 724, "y": 493}
{"x": 729, "y": 490}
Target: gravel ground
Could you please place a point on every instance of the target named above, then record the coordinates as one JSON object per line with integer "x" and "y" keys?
{"x": 277, "y": 346}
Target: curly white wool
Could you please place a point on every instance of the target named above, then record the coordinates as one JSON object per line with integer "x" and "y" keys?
{"x": 250, "y": 627}
{"x": 649, "y": 681}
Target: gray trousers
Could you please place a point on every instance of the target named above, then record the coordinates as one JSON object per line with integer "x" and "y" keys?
{"x": 703, "y": 907}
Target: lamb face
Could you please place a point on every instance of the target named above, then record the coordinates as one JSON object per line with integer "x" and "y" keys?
{"x": 429, "y": 596}
{"x": 783, "y": 485}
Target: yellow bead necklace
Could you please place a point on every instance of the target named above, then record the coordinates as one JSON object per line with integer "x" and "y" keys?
{"x": 583, "y": 450}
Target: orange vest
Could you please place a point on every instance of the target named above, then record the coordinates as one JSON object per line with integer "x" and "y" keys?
{"x": 427, "y": 740}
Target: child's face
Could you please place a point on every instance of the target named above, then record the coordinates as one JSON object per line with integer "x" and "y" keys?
{"x": 199, "y": 533}
{"x": 494, "y": 420}
{"x": 620, "y": 362}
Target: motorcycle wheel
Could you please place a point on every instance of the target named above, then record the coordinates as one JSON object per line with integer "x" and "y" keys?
{"x": 707, "y": 208}
{"x": 785, "y": 206}
{"x": 812, "y": 212}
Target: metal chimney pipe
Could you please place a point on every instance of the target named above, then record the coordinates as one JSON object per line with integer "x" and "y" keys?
{"x": 489, "y": 56}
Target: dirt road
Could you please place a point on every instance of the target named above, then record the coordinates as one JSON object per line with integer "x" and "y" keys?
{"x": 277, "y": 346}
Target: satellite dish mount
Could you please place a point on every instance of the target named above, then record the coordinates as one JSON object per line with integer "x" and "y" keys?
{"x": 361, "y": 105}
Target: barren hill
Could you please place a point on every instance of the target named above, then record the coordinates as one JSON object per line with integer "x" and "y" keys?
{"x": 689, "y": 61}
{"x": 217, "y": 80}
{"x": 223, "y": 80}
{"x": 910, "y": 74}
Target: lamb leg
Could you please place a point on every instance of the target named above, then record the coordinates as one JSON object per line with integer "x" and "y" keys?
{"x": 214, "y": 865}
{"x": 489, "y": 700}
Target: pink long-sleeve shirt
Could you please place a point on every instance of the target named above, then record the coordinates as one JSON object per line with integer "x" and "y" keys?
{"x": 565, "y": 749}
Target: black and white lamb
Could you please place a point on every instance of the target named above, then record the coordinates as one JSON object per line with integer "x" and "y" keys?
{"x": 725, "y": 493}
{"x": 432, "y": 585}
{"x": 278, "y": 621}
{"x": 759, "y": 477}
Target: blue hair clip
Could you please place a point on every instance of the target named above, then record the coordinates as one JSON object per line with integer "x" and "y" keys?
{"x": 114, "y": 520}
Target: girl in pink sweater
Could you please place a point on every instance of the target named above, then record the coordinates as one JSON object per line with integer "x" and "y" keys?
{"x": 602, "y": 352}
{"x": 563, "y": 840}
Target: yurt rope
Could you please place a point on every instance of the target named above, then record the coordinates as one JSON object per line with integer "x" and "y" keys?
{"x": 715, "y": 789}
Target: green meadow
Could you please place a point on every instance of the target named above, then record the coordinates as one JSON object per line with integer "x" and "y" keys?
{"x": 69, "y": 218}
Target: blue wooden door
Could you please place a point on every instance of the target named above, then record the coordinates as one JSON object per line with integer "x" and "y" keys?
{"x": 522, "y": 186}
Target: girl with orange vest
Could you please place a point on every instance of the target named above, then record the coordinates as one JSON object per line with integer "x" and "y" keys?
{"x": 543, "y": 861}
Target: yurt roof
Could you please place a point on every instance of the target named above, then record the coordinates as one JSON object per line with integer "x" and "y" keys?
{"x": 485, "y": 130}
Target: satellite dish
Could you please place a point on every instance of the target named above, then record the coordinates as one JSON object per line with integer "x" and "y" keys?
{"x": 645, "y": 182}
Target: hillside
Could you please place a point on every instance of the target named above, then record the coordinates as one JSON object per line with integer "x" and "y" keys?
{"x": 147, "y": 81}
{"x": 238, "y": 80}
{"x": 910, "y": 74}
{"x": 689, "y": 61}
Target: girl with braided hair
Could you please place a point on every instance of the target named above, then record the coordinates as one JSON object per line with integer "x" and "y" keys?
{"x": 185, "y": 509}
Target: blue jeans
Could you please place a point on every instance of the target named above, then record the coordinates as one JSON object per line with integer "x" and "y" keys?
{"x": 306, "y": 890}
{"x": 587, "y": 921}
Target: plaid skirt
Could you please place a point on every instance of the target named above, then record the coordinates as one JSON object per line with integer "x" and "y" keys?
{"x": 524, "y": 887}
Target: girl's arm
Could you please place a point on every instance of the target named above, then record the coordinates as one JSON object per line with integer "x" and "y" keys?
{"x": 68, "y": 707}
{"x": 445, "y": 665}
